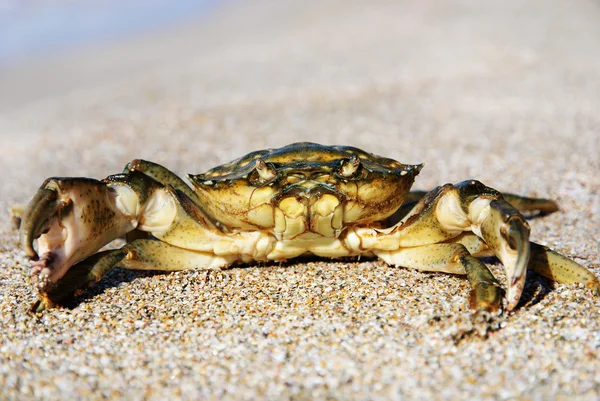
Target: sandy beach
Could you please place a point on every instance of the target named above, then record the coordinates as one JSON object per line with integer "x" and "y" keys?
{"x": 504, "y": 92}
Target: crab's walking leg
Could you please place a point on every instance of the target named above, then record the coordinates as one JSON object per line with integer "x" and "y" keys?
{"x": 561, "y": 269}
{"x": 137, "y": 255}
{"x": 521, "y": 203}
{"x": 414, "y": 196}
{"x": 162, "y": 175}
{"x": 451, "y": 258}
{"x": 475, "y": 245}
{"x": 525, "y": 204}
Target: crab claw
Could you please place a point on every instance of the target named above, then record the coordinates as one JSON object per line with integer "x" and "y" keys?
{"x": 507, "y": 233}
{"x": 36, "y": 218}
{"x": 71, "y": 218}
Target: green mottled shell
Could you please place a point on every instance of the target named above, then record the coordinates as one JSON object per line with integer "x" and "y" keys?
{"x": 302, "y": 156}
{"x": 237, "y": 196}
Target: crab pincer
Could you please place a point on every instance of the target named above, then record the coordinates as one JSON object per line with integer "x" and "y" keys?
{"x": 504, "y": 230}
{"x": 71, "y": 218}
{"x": 36, "y": 218}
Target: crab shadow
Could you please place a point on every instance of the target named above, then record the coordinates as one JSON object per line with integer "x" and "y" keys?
{"x": 113, "y": 279}
{"x": 536, "y": 288}
{"x": 118, "y": 276}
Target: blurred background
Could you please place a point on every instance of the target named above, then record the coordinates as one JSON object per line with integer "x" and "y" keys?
{"x": 38, "y": 30}
{"x": 33, "y": 28}
{"x": 470, "y": 88}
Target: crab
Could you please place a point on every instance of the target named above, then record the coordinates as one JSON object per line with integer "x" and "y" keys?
{"x": 278, "y": 204}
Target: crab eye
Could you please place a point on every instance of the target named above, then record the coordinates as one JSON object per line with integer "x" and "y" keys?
{"x": 350, "y": 167}
{"x": 265, "y": 172}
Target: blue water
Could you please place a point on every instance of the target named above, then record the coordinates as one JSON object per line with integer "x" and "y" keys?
{"x": 28, "y": 29}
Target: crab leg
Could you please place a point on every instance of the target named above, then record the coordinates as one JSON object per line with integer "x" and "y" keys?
{"x": 543, "y": 260}
{"x": 35, "y": 218}
{"x": 73, "y": 218}
{"x": 471, "y": 206}
{"x": 137, "y": 255}
{"x": 162, "y": 175}
{"x": 451, "y": 258}
{"x": 525, "y": 204}
{"x": 521, "y": 203}
{"x": 561, "y": 269}
{"x": 414, "y": 196}
{"x": 475, "y": 245}
{"x": 448, "y": 211}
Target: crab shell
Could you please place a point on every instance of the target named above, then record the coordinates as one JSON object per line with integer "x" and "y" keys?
{"x": 304, "y": 187}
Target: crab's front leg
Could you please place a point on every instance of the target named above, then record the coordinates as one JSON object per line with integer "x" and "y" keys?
{"x": 72, "y": 218}
{"x": 443, "y": 215}
{"x": 495, "y": 219}
{"x": 497, "y": 222}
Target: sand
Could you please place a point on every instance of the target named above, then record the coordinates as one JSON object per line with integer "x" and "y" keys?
{"x": 507, "y": 93}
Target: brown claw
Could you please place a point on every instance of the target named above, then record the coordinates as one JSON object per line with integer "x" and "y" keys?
{"x": 36, "y": 217}
{"x": 507, "y": 234}
{"x": 70, "y": 219}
